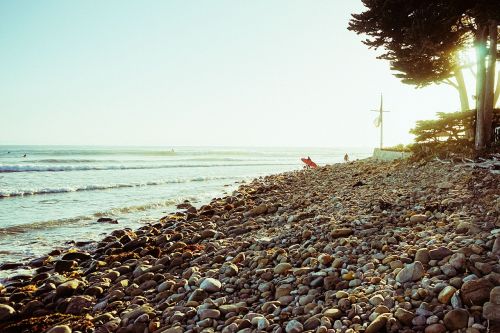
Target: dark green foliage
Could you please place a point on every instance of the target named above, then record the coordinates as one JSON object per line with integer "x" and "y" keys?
{"x": 450, "y": 133}
{"x": 420, "y": 38}
{"x": 455, "y": 126}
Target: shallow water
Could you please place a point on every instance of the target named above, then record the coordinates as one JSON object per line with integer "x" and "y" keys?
{"x": 56, "y": 193}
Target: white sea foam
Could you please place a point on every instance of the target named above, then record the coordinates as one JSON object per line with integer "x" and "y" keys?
{"x": 96, "y": 187}
{"x": 60, "y": 168}
{"x": 22, "y": 228}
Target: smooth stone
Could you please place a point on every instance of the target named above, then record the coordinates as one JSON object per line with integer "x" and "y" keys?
{"x": 404, "y": 316}
{"x": 62, "y": 266}
{"x": 67, "y": 288}
{"x": 446, "y": 294}
{"x": 476, "y": 292}
{"x": 496, "y": 247}
{"x": 60, "y": 329}
{"x": 341, "y": 232}
{"x": 209, "y": 313}
{"x": 262, "y": 323}
{"x": 418, "y": 218}
{"x": 198, "y": 295}
{"x": 457, "y": 260}
{"x": 6, "y": 312}
{"x": 332, "y": 313}
{"x": 282, "y": 268}
{"x": 491, "y": 311}
{"x": 456, "y": 319}
{"x": 294, "y": 326}
{"x": 377, "y": 325}
{"x": 411, "y": 272}
{"x": 77, "y": 304}
{"x": 440, "y": 253}
{"x": 211, "y": 285}
{"x": 422, "y": 255}
{"x": 495, "y": 295}
{"x": 435, "y": 328}
{"x": 175, "y": 329}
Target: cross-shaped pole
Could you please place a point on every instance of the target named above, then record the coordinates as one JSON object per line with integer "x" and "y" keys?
{"x": 381, "y": 120}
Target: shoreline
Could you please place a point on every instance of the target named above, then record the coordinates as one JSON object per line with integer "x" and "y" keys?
{"x": 346, "y": 247}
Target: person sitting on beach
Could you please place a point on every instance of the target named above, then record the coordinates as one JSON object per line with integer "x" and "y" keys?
{"x": 346, "y": 158}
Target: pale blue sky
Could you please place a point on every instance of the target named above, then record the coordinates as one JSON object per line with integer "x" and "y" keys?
{"x": 185, "y": 72}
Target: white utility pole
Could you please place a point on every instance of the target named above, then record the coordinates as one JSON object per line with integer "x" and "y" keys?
{"x": 380, "y": 120}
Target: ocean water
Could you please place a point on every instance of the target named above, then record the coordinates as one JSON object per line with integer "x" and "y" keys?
{"x": 51, "y": 196}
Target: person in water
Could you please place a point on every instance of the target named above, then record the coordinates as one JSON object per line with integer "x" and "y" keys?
{"x": 24, "y": 155}
{"x": 346, "y": 158}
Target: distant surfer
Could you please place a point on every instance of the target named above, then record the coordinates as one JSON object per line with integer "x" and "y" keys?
{"x": 309, "y": 163}
{"x": 346, "y": 158}
{"x": 24, "y": 155}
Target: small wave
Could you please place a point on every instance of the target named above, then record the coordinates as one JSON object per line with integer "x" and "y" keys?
{"x": 60, "y": 168}
{"x": 17, "y": 193}
{"x": 114, "y": 212}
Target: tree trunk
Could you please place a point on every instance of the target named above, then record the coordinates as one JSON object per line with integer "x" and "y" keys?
{"x": 462, "y": 89}
{"x": 489, "y": 88}
{"x": 480, "y": 44}
{"x": 497, "y": 90}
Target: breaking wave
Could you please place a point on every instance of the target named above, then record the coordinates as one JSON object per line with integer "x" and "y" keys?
{"x": 60, "y": 168}
{"x": 27, "y": 192}
{"x": 114, "y": 212}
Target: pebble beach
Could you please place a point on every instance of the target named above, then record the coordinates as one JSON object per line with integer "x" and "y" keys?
{"x": 363, "y": 246}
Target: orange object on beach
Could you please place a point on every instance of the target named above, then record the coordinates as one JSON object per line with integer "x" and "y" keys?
{"x": 309, "y": 162}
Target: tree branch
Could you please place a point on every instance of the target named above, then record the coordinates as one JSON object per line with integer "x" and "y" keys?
{"x": 451, "y": 83}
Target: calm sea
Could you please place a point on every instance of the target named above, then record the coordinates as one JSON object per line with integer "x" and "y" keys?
{"x": 53, "y": 195}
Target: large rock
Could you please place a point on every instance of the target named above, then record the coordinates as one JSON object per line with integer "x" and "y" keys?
{"x": 418, "y": 218}
{"x": 457, "y": 260}
{"x": 377, "y": 325}
{"x": 211, "y": 285}
{"x": 282, "y": 268}
{"x": 456, "y": 319}
{"x": 435, "y": 328}
{"x": 62, "y": 266}
{"x": 294, "y": 326}
{"x": 404, "y": 316}
{"x": 496, "y": 247}
{"x": 175, "y": 329}
{"x": 260, "y": 209}
{"x": 208, "y": 313}
{"x": 491, "y": 311}
{"x": 440, "y": 253}
{"x": 6, "y": 312}
{"x": 82, "y": 256}
{"x": 341, "y": 232}
{"x": 60, "y": 329}
{"x": 79, "y": 304}
{"x": 67, "y": 288}
{"x": 411, "y": 272}
{"x": 476, "y": 292}
{"x": 495, "y": 295}
{"x": 422, "y": 255}
{"x": 446, "y": 294}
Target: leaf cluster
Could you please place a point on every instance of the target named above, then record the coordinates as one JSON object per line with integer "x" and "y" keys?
{"x": 455, "y": 126}
{"x": 421, "y": 38}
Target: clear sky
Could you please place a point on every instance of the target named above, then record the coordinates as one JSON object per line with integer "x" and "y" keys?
{"x": 198, "y": 72}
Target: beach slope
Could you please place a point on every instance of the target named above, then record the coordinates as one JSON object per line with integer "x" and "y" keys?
{"x": 361, "y": 246}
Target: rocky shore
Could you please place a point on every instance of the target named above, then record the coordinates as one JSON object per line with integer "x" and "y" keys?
{"x": 357, "y": 247}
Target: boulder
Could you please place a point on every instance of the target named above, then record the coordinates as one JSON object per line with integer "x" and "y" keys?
{"x": 456, "y": 319}
{"x": 411, "y": 272}
{"x": 476, "y": 292}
